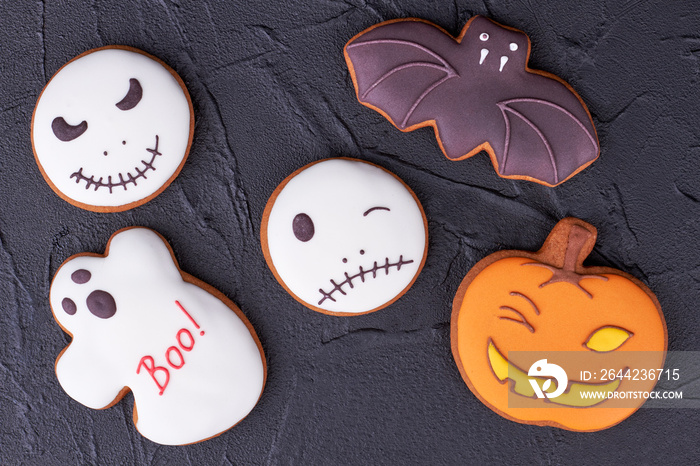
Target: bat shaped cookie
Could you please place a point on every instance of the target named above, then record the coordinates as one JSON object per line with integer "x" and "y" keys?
{"x": 478, "y": 93}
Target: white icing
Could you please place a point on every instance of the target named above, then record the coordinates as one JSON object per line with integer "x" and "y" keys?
{"x": 484, "y": 37}
{"x": 88, "y": 89}
{"x": 335, "y": 194}
{"x": 504, "y": 60}
{"x": 513, "y": 46}
{"x": 222, "y": 376}
{"x": 484, "y": 52}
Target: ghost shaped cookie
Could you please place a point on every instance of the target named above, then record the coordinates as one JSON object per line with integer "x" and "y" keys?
{"x": 478, "y": 93}
{"x": 112, "y": 129}
{"x": 344, "y": 236}
{"x": 188, "y": 354}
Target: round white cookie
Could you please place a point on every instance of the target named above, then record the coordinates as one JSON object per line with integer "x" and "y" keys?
{"x": 344, "y": 236}
{"x": 112, "y": 129}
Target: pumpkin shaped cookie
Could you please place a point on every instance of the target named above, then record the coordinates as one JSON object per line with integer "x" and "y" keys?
{"x": 541, "y": 339}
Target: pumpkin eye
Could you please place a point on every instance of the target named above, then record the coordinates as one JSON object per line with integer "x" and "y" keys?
{"x": 132, "y": 97}
{"x": 607, "y": 339}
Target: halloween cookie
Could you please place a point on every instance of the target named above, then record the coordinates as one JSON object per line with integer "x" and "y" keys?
{"x": 188, "y": 354}
{"x": 478, "y": 93}
{"x": 541, "y": 339}
{"x": 112, "y": 129}
{"x": 344, "y": 236}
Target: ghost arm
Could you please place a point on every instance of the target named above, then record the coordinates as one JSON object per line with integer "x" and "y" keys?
{"x": 87, "y": 378}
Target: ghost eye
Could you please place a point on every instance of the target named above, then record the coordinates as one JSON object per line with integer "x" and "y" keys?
{"x": 607, "y": 339}
{"x": 132, "y": 97}
{"x": 375, "y": 208}
{"x": 81, "y": 276}
{"x": 101, "y": 304}
{"x": 69, "y": 306}
{"x": 67, "y": 132}
{"x": 484, "y": 37}
{"x": 303, "y": 227}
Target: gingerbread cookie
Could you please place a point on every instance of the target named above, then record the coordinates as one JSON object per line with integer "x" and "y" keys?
{"x": 344, "y": 236}
{"x": 541, "y": 339}
{"x": 188, "y": 354}
{"x": 478, "y": 93}
{"x": 112, "y": 129}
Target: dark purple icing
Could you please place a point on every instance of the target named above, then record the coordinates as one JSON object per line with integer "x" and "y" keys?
{"x": 476, "y": 91}
{"x": 132, "y": 97}
{"x": 67, "y": 132}
{"x": 69, "y": 306}
{"x": 123, "y": 181}
{"x": 368, "y": 211}
{"x": 386, "y": 266}
{"x": 303, "y": 227}
{"x": 101, "y": 304}
{"x": 81, "y": 276}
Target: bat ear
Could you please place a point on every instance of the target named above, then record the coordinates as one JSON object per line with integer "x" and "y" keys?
{"x": 475, "y": 25}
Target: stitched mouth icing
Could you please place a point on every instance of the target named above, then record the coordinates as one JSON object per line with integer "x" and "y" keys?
{"x": 361, "y": 275}
{"x": 123, "y": 182}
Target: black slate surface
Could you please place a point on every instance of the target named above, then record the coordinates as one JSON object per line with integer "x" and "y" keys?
{"x": 271, "y": 93}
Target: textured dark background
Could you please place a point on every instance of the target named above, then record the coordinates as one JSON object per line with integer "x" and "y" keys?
{"x": 271, "y": 93}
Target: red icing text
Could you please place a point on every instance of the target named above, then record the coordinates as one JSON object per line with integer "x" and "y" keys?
{"x": 173, "y": 355}
{"x": 150, "y": 365}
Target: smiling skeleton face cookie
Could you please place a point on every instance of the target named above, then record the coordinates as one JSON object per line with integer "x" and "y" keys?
{"x": 344, "y": 236}
{"x": 112, "y": 129}
{"x": 188, "y": 354}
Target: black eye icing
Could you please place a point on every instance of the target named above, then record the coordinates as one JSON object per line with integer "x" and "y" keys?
{"x": 69, "y": 306}
{"x": 101, "y": 304}
{"x": 81, "y": 276}
{"x": 303, "y": 227}
{"x": 66, "y": 132}
{"x": 375, "y": 208}
{"x": 132, "y": 97}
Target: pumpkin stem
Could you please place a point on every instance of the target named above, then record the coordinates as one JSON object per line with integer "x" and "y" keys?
{"x": 575, "y": 251}
{"x": 578, "y": 236}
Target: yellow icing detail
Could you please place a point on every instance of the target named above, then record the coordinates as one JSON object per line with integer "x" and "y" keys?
{"x": 607, "y": 339}
{"x": 499, "y": 364}
{"x": 504, "y": 369}
{"x": 574, "y": 398}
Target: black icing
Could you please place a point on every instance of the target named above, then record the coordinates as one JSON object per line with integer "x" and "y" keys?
{"x": 67, "y": 132}
{"x": 303, "y": 227}
{"x": 69, "y": 306}
{"x": 124, "y": 180}
{"x": 101, "y": 304}
{"x": 81, "y": 276}
{"x": 132, "y": 97}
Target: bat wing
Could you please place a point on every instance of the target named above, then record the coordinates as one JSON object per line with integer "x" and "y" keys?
{"x": 396, "y": 65}
{"x": 544, "y": 141}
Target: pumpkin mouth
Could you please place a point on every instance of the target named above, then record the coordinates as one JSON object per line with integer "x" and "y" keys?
{"x": 362, "y": 274}
{"x": 505, "y": 370}
{"x": 124, "y": 180}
